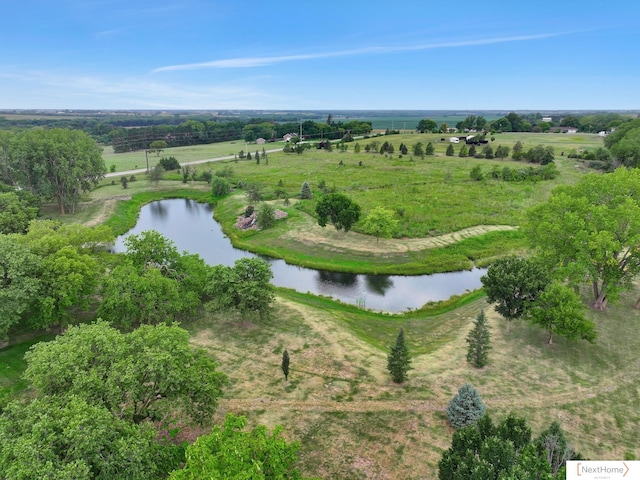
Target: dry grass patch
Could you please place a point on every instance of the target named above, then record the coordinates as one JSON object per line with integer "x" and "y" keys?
{"x": 353, "y": 422}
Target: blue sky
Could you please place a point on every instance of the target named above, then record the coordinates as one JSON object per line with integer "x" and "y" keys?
{"x": 199, "y": 54}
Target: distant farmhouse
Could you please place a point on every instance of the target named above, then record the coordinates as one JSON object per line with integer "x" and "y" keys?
{"x": 563, "y": 130}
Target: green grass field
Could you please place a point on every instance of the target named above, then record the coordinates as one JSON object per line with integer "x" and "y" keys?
{"x": 138, "y": 159}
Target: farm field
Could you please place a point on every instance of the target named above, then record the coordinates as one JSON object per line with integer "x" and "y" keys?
{"x": 137, "y": 160}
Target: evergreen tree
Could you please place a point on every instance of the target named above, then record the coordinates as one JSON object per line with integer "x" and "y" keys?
{"x": 464, "y": 152}
{"x": 305, "y": 191}
{"x": 450, "y": 150}
{"x": 257, "y": 157}
{"x": 285, "y": 364}
{"x": 478, "y": 340}
{"x": 466, "y": 408}
{"x": 399, "y": 361}
{"x": 472, "y": 151}
{"x": 430, "y": 149}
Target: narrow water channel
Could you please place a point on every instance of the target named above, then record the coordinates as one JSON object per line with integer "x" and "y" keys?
{"x": 191, "y": 226}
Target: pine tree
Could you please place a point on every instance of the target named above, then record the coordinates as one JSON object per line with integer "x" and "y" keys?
{"x": 430, "y": 149}
{"x": 478, "y": 340}
{"x": 450, "y": 150}
{"x": 466, "y": 408}
{"x": 399, "y": 361}
{"x": 285, "y": 364}
{"x": 305, "y": 191}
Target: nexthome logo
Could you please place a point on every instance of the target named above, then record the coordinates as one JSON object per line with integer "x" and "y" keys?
{"x": 603, "y": 470}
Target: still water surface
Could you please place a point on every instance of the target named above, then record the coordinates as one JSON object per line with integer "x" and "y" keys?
{"x": 191, "y": 226}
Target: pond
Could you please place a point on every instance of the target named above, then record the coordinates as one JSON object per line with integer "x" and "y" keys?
{"x": 191, "y": 226}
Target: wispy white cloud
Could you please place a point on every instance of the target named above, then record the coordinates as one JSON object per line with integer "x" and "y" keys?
{"x": 249, "y": 62}
{"x": 58, "y": 90}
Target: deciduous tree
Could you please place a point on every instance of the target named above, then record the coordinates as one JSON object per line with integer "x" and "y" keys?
{"x": 590, "y": 232}
{"x": 380, "y": 222}
{"x": 513, "y": 284}
{"x": 67, "y": 437}
{"x": 155, "y": 174}
{"x": 15, "y": 213}
{"x": 220, "y": 187}
{"x": 57, "y": 163}
{"x": 558, "y": 310}
{"x": 340, "y": 209}
{"x": 245, "y": 287}
{"x": 152, "y": 373}
{"x": 231, "y": 452}
{"x": 158, "y": 146}
{"x": 504, "y": 451}
{"x": 20, "y": 282}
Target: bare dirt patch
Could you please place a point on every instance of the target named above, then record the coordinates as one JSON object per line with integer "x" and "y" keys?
{"x": 107, "y": 209}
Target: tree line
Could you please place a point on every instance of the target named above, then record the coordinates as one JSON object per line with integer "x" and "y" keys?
{"x": 529, "y": 122}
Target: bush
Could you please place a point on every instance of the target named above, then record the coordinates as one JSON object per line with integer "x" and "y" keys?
{"x": 132, "y": 178}
{"x": 249, "y": 211}
{"x": 169, "y": 163}
{"x": 206, "y": 176}
{"x": 224, "y": 172}
{"x": 466, "y": 408}
{"x": 476, "y": 173}
{"x": 220, "y": 186}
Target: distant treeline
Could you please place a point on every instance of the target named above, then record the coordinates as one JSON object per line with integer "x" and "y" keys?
{"x": 135, "y": 132}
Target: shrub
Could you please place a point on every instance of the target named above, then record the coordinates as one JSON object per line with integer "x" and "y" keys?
{"x": 476, "y": 173}
{"x": 220, "y": 186}
{"x": 249, "y": 211}
{"x": 224, "y": 172}
{"x": 169, "y": 163}
{"x": 206, "y": 176}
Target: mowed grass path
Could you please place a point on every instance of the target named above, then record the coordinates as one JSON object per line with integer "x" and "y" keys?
{"x": 353, "y": 422}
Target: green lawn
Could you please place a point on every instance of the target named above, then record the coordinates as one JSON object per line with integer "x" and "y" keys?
{"x": 12, "y": 364}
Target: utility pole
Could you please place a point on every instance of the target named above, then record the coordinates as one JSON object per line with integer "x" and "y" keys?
{"x": 146, "y": 151}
